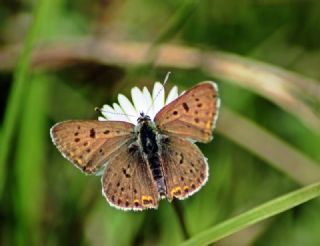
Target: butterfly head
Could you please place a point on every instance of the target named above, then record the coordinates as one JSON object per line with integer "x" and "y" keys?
{"x": 143, "y": 118}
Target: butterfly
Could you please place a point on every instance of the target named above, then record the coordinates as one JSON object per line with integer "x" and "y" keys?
{"x": 148, "y": 161}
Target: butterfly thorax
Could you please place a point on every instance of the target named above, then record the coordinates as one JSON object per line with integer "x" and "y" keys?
{"x": 149, "y": 145}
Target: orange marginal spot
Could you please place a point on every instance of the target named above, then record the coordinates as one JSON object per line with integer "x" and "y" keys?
{"x": 136, "y": 202}
{"x": 79, "y": 161}
{"x": 176, "y": 191}
{"x": 146, "y": 200}
{"x": 208, "y": 125}
{"x": 186, "y": 188}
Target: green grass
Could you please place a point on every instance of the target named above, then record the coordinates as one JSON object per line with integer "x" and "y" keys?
{"x": 19, "y": 90}
{"x": 255, "y": 215}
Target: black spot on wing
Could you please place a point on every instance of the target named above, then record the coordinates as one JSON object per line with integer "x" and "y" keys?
{"x": 92, "y": 133}
{"x": 185, "y": 106}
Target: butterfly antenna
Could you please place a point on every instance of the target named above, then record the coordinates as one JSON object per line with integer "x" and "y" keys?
{"x": 163, "y": 84}
{"x": 109, "y": 112}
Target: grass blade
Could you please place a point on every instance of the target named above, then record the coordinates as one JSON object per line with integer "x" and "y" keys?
{"x": 255, "y": 215}
{"x": 30, "y": 161}
{"x": 18, "y": 91}
{"x": 260, "y": 142}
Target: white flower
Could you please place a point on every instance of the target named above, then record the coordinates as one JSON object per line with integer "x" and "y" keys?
{"x": 142, "y": 102}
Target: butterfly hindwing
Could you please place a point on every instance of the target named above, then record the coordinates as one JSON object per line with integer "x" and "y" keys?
{"x": 192, "y": 115}
{"x": 127, "y": 181}
{"x": 90, "y": 144}
{"x": 184, "y": 166}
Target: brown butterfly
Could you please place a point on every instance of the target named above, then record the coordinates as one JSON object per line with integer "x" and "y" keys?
{"x": 153, "y": 159}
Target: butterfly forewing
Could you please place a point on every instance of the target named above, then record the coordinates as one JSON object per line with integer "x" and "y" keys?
{"x": 185, "y": 167}
{"x": 90, "y": 144}
{"x": 127, "y": 182}
{"x": 192, "y": 115}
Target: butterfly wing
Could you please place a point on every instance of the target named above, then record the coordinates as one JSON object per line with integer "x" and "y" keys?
{"x": 127, "y": 182}
{"x": 192, "y": 115}
{"x": 90, "y": 144}
{"x": 184, "y": 166}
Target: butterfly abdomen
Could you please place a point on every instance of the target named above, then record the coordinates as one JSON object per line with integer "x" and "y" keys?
{"x": 151, "y": 150}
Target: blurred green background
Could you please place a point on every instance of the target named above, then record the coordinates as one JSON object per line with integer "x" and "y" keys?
{"x": 60, "y": 59}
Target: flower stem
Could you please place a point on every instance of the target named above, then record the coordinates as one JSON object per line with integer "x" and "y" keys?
{"x": 178, "y": 209}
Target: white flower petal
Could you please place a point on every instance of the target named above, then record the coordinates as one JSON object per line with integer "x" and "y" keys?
{"x": 100, "y": 118}
{"x": 127, "y": 106}
{"x": 173, "y": 94}
{"x": 139, "y": 100}
{"x": 142, "y": 100}
{"x": 148, "y": 100}
{"x": 158, "y": 97}
{"x": 121, "y": 116}
{"x": 108, "y": 112}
